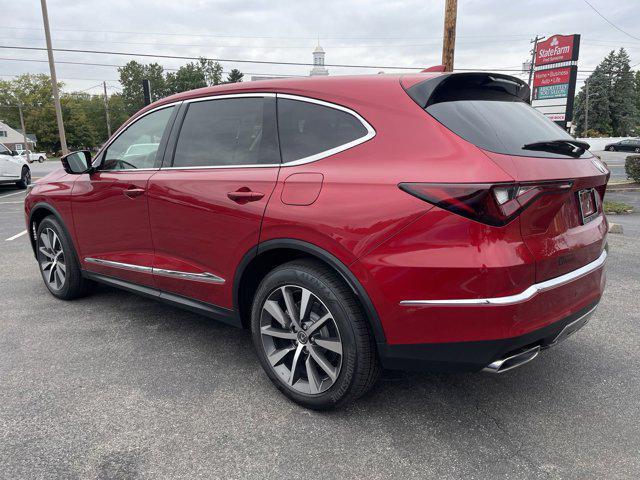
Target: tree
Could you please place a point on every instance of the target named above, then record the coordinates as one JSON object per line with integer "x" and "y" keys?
{"x": 131, "y": 76}
{"x": 212, "y": 71}
{"x": 614, "y": 105}
{"x": 188, "y": 77}
{"x": 235, "y": 76}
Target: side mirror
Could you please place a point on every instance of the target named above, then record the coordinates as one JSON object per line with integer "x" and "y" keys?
{"x": 77, "y": 162}
{"x": 14, "y": 153}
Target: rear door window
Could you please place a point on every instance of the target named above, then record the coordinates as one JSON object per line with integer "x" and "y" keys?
{"x": 228, "y": 132}
{"x": 310, "y": 131}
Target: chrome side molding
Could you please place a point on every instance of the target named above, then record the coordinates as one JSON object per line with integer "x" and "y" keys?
{"x": 198, "y": 277}
{"x": 519, "y": 297}
{"x": 512, "y": 361}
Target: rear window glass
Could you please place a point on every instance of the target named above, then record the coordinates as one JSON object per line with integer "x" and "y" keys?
{"x": 308, "y": 129}
{"x": 501, "y": 126}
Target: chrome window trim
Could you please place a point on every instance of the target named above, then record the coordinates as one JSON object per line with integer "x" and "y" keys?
{"x": 341, "y": 148}
{"x": 198, "y": 277}
{"x": 527, "y": 294}
{"x": 369, "y": 135}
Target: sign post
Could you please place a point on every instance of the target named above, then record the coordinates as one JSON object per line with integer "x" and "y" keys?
{"x": 555, "y": 76}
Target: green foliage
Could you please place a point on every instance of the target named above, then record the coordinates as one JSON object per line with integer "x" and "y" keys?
{"x": 235, "y": 76}
{"x": 83, "y": 114}
{"x": 632, "y": 167}
{"x": 614, "y": 103}
{"x": 616, "y": 207}
{"x": 203, "y": 73}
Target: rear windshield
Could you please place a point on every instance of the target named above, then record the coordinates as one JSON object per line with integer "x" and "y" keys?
{"x": 492, "y": 118}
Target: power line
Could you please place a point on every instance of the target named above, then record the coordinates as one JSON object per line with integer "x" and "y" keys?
{"x": 610, "y": 22}
{"x": 262, "y": 62}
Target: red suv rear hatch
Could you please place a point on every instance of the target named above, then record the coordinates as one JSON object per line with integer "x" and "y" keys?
{"x": 564, "y": 229}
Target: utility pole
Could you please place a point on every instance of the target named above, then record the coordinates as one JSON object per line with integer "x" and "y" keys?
{"x": 106, "y": 109}
{"x": 24, "y": 132}
{"x": 586, "y": 107}
{"x": 54, "y": 78}
{"x": 449, "y": 34}
{"x": 533, "y": 59}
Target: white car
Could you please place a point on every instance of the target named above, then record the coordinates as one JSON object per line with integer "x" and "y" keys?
{"x": 13, "y": 168}
{"x": 33, "y": 156}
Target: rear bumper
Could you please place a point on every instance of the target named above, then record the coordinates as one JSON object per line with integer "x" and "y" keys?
{"x": 477, "y": 355}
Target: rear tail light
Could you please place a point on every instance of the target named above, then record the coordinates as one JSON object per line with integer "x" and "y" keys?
{"x": 493, "y": 204}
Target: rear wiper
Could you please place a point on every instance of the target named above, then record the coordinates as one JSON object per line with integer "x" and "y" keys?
{"x": 575, "y": 148}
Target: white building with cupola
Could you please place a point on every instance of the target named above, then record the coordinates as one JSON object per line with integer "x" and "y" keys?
{"x": 318, "y": 62}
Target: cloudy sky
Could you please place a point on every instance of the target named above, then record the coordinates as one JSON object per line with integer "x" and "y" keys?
{"x": 491, "y": 34}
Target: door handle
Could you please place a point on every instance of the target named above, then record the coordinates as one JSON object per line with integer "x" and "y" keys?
{"x": 133, "y": 192}
{"x": 244, "y": 195}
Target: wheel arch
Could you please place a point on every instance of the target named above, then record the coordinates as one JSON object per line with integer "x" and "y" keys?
{"x": 261, "y": 259}
{"x": 38, "y": 212}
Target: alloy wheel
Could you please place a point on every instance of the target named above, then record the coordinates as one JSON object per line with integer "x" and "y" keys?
{"x": 301, "y": 339}
{"x": 52, "y": 259}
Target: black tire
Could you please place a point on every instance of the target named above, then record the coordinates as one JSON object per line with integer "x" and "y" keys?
{"x": 359, "y": 367}
{"x": 40, "y": 159}
{"x": 25, "y": 177}
{"x": 74, "y": 285}
{"x": 637, "y": 150}
{"x": 612, "y": 149}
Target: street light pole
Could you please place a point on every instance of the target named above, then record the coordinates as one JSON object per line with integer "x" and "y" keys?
{"x": 586, "y": 107}
{"x": 54, "y": 79}
{"x": 449, "y": 34}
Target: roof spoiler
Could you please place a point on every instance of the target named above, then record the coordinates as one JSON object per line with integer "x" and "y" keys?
{"x": 472, "y": 85}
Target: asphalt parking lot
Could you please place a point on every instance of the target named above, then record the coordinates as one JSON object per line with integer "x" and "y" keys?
{"x": 118, "y": 386}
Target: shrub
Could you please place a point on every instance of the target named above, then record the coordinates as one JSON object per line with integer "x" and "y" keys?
{"x": 632, "y": 167}
{"x": 616, "y": 207}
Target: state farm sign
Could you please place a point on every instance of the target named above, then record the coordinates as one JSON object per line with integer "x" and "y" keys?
{"x": 557, "y": 49}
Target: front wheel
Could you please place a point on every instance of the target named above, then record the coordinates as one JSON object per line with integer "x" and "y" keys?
{"x": 637, "y": 150}
{"x": 312, "y": 337}
{"x": 612, "y": 149}
{"x": 40, "y": 159}
{"x": 25, "y": 178}
{"x": 58, "y": 261}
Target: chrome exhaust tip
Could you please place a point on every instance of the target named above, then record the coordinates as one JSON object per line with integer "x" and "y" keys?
{"x": 512, "y": 361}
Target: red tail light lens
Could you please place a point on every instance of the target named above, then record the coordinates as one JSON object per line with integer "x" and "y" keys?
{"x": 493, "y": 204}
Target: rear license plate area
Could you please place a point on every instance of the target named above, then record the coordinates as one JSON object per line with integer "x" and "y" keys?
{"x": 588, "y": 201}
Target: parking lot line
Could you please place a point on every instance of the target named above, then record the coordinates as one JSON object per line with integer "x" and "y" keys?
{"x": 11, "y": 194}
{"x": 17, "y": 235}
{"x": 9, "y": 203}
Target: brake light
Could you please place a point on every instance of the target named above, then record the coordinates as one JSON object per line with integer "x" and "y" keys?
{"x": 493, "y": 204}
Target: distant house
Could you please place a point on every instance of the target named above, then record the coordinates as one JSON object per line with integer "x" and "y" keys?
{"x": 14, "y": 140}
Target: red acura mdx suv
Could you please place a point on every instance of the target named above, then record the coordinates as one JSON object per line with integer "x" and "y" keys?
{"x": 354, "y": 223}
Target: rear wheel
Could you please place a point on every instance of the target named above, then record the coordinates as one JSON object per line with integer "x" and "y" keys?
{"x": 40, "y": 159}
{"x": 25, "y": 177}
{"x": 312, "y": 336}
{"x": 637, "y": 150}
{"x": 58, "y": 261}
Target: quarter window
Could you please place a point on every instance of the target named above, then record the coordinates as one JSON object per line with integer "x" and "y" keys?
{"x": 137, "y": 146}
{"x": 228, "y": 132}
{"x": 307, "y": 129}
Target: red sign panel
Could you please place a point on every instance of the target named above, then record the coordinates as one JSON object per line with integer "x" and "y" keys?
{"x": 558, "y": 48}
{"x": 553, "y": 76}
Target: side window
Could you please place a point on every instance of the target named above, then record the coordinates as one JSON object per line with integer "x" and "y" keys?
{"x": 307, "y": 129}
{"x": 4, "y": 150}
{"x": 137, "y": 146}
{"x": 228, "y": 132}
